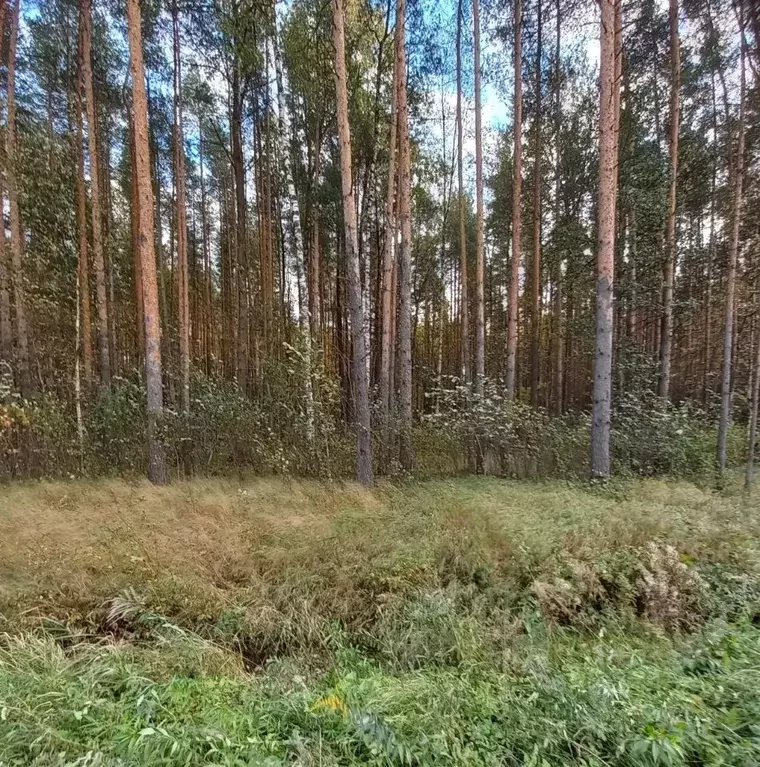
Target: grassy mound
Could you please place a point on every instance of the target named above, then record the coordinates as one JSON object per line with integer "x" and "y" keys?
{"x": 465, "y": 622}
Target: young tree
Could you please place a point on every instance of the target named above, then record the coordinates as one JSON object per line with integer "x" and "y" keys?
{"x": 601, "y": 417}
{"x": 146, "y": 247}
{"x": 514, "y": 280}
{"x": 359, "y": 348}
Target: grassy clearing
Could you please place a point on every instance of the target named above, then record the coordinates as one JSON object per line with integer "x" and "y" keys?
{"x": 447, "y": 622}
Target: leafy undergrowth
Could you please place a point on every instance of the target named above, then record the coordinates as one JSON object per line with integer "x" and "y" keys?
{"x": 474, "y": 622}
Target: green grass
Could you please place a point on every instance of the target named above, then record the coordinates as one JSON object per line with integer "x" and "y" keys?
{"x": 470, "y": 622}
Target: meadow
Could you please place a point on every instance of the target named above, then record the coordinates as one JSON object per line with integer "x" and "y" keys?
{"x": 447, "y": 622}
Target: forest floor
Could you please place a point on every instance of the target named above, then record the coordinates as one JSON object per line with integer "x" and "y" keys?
{"x": 462, "y": 622}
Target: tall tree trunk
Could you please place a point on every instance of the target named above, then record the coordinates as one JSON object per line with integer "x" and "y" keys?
{"x": 134, "y": 214}
{"x": 464, "y": 306}
{"x": 559, "y": 351}
{"x": 183, "y": 292}
{"x": 480, "y": 325}
{"x": 707, "y": 358}
{"x": 17, "y": 274}
{"x": 98, "y": 259}
{"x": 602, "y": 399}
{"x": 733, "y": 255}
{"x": 315, "y": 277}
{"x": 388, "y": 310}
{"x": 359, "y": 350}
{"x": 514, "y": 280}
{"x": 83, "y": 272}
{"x": 406, "y": 447}
{"x": 238, "y": 166}
{"x": 147, "y": 252}
{"x": 288, "y": 154}
{"x": 535, "y": 314}
{"x": 208, "y": 319}
{"x": 6, "y": 331}
{"x": 105, "y": 171}
{"x": 666, "y": 339}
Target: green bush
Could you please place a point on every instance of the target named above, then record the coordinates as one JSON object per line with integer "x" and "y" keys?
{"x": 227, "y": 431}
{"x": 513, "y": 439}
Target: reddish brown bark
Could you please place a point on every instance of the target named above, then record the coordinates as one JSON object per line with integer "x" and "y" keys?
{"x": 602, "y": 397}
{"x": 146, "y": 245}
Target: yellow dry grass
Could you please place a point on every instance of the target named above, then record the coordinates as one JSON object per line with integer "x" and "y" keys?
{"x": 79, "y": 534}
{"x": 274, "y": 545}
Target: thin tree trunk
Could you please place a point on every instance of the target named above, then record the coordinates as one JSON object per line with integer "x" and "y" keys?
{"x": 287, "y": 146}
{"x": 208, "y": 318}
{"x": 183, "y": 292}
{"x": 134, "y": 212}
{"x": 389, "y": 250}
{"x": 6, "y": 331}
{"x": 113, "y": 320}
{"x": 666, "y": 339}
{"x": 707, "y": 358}
{"x": 733, "y": 254}
{"x": 516, "y": 210}
{"x": 241, "y": 358}
{"x": 17, "y": 275}
{"x": 315, "y": 279}
{"x": 602, "y": 400}
{"x": 755, "y": 395}
{"x": 406, "y": 447}
{"x": 464, "y": 307}
{"x": 83, "y": 278}
{"x": 147, "y": 253}
{"x": 558, "y": 282}
{"x": 359, "y": 350}
{"x": 480, "y": 326}
{"x": 101, "y": 295}
{"x": 535, "y": 315}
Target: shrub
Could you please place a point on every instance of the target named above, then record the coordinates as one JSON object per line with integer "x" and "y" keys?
{"x": 513, "y": 439}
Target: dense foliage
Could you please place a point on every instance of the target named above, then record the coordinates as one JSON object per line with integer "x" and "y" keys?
{"x": 254, "y": 268}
